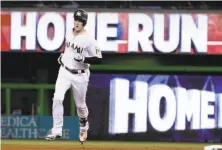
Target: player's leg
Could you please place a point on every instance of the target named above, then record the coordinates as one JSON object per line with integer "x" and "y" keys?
{"x": 62, "y": 85}
{"x": 79, "y": 93}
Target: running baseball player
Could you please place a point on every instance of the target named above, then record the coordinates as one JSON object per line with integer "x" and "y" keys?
{"x": 81, "y": 50}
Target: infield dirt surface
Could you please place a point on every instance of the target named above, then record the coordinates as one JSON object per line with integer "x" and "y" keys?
{"x": 96, "y": 145}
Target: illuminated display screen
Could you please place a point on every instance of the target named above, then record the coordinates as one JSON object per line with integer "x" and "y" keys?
{"x": 148, "y": 103}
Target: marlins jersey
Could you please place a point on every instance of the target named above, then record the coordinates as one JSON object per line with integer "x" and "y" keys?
{"x": 83, "y": 44}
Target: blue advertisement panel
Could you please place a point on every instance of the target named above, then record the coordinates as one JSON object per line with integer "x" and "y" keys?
{"x": 36, "y": 127}
{"x": 187, "y": 108}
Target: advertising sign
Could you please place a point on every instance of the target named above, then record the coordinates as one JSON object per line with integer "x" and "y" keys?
{"x": 36, "y": 127}
{"x": 115, "y": 32}
{"x": 163, "y": 107}
{"x": 189, "y": 107}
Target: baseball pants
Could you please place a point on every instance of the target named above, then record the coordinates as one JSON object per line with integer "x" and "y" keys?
{"x": 79, "y": 85}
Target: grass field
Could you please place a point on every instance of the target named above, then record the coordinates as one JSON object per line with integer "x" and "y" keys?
{"x": 96, "y": 145}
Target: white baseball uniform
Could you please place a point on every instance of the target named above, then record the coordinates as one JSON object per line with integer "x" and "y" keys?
{"x": 85, "y": 45}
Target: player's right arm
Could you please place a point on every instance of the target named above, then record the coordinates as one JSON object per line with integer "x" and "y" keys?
{"x": 60, "y": 58}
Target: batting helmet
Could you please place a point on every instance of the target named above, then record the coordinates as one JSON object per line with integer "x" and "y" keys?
{"x": 81, "y": 15}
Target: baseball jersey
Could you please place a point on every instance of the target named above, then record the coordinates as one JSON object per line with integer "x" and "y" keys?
{"x": 84, "y": 44}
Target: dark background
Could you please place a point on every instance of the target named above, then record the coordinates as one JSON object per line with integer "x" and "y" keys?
{"x": 18, "y": 66}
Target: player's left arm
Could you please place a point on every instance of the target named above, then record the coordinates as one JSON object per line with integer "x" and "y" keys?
{"x": 93, "y": 60}
{"x": 95, "y": 54}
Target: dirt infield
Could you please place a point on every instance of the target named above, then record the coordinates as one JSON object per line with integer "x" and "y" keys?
{"x": 42, "y": 145}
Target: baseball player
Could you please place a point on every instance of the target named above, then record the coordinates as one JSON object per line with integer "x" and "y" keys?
{"x": 81, "y": 50}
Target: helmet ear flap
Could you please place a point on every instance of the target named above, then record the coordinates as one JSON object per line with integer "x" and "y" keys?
{"x": 84, "y": 23}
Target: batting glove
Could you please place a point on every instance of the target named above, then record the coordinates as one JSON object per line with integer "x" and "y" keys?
{"x": 78, "y": 57}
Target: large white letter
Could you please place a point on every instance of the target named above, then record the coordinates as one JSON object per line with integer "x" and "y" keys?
{"x": 173, "y": 27}
{"x": 135, "y": 36}
{"x": 196, "y": 33}
{"x": 103, "y": 31}
{"x": 19, "y": 30}
{"x": 59, "y": 31}
{"x": 219, "y": 107}
{"x": 188, "y": 106}
{"x": 121, "y": 106}
{"x": 91, "y": 24}
{"x": 156, "y": 92}
{"x": 206, "y": 109}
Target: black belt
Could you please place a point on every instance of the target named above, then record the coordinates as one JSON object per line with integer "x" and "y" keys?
{"x": 73, "y": 71}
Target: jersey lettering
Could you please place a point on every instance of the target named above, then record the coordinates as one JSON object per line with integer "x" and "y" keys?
{"x": 76, "y": 48}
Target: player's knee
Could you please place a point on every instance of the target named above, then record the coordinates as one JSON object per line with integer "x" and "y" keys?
{"x": 58, "y": 97}
{"x": 81, "y": 105}
{"x": 57, "y": 104}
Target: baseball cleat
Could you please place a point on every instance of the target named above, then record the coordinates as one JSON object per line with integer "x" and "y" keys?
{"x": 83, "y": 133}
{"x": 53, "y": 136}
{"x": 81, "y": 142}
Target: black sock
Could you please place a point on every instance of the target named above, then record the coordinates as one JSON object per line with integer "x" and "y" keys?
{"x": 82, "y": 121}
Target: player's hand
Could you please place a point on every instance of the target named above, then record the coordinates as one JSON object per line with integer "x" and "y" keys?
{"x": 78, "y": 57}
